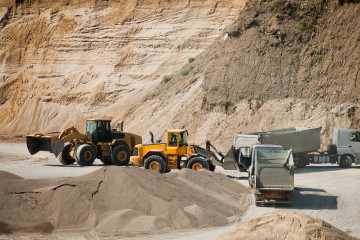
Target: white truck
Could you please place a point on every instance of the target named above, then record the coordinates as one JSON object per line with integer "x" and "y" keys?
{"x": 305, "y": 145}
{"x": 271, "y": 174}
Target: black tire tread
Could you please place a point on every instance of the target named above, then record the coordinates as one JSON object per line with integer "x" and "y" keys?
{"x": 114, "y": 153}
{"x": 79, "y": 158}
{"x": 157, "y": 158}
{"x": 64, "y": 157}
{"x": 203, "y": 161}
{"x": 347, "y": 164}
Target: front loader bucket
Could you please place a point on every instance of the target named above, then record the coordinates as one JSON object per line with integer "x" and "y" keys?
{"x": 209, "y": 155}
{"x": 36, "y": 143}
{"x": 230, "y": 162}
{"x": 58, "y": 147}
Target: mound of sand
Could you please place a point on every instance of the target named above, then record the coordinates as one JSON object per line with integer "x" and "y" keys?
{"x": 128, "y": 201}
{"x": 12, "y": 183}
{"x": 285, "y": 224}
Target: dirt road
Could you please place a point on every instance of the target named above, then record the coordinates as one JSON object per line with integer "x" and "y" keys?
{"x": 323, "y": 191}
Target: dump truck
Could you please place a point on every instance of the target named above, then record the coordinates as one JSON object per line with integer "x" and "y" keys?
{"x": 305, "y": 144}
{"x": 175, "y": 153}
{"x": 99, "y": 141}
{"x": 271, "y": 175}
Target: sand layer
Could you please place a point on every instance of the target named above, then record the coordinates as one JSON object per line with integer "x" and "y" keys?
{"x": 122, "y": 201}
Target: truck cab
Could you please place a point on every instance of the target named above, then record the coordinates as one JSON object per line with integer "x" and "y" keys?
{"x": 347, "y": 142}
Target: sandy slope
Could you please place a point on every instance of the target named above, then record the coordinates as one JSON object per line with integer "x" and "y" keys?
{"x": 261, "y": 73}
{"x": 61, "y": 62}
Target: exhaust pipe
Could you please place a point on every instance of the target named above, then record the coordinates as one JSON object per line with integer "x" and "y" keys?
{"x": 151, "y": 137}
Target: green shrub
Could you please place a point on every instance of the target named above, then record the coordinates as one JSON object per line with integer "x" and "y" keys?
{"x": 166, "y": 79}
{"x": 186, "y": 72}
{"x": 214, "y": 88}
{"x": 216, "y": 56}
{"x": 240, "y": 97}
{"x": 302, "y": 26}
{"x": 191, "y": 60}
{"x": 291, "y": 12}
{"x": 227, "y": 65}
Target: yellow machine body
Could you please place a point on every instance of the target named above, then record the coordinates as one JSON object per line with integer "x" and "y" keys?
{"x": 175, "y": 151}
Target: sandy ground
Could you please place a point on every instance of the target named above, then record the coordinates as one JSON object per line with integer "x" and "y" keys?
{"x": 323, "y": 191}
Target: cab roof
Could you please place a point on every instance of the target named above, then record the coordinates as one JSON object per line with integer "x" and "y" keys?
{"x": 176, "y": 130}
{"x": 99, "y": 119}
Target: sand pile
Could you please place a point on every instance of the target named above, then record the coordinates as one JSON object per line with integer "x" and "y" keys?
{"x": 13, "y": 183}
{"x": 286, "y": 224}
{"x": 127, "y": 201}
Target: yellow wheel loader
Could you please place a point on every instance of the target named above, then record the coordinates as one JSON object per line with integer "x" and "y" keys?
{"x": 99, "y": 141}
{"x": 175, "y": 153}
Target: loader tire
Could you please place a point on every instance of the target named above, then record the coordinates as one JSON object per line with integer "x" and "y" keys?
{"x": 212, "y": 167}
{"x": 155, "y": 163}
{"x": 64, "y": 156}
{"x": 198, "y": 163}
{"x": 120, "y": 155}
{"x": 345, "y": 161}
{"x": 106, "y": 162}
{"x": 85, "y": 155}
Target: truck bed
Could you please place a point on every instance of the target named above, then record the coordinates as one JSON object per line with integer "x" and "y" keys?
{"x": 299, "y": 139}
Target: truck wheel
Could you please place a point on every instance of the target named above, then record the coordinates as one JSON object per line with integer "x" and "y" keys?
{"x": 155, "y": 163}
{"x": 303, "y": 160}
{"x": 64, "y": 156}
{"x": 120, "y": 155}
{"x": 198, "y": 163}
{"x": 85, "y": 155}
{"x": 345, "y": 161}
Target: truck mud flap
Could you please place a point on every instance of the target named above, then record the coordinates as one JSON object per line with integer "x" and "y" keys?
{"x": 229, "y": 162}
{"x": 38, "y": 143}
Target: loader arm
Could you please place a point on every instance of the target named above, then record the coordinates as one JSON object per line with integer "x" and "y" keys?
{"x": 68, "y": 135}
{"x": 208, "y": 154}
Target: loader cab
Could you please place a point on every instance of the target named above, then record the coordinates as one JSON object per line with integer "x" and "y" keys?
{"x": 99, "y": 130}
{"x": 176, "y": 142}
